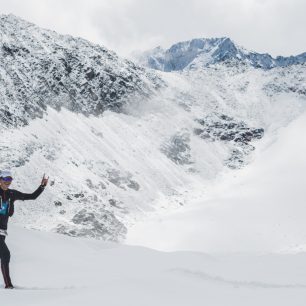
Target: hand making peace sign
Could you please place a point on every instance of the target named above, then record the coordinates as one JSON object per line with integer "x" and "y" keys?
{"x": 44, "y": 181}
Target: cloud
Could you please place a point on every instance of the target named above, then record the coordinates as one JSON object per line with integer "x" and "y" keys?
{"x": 274, "y": 26}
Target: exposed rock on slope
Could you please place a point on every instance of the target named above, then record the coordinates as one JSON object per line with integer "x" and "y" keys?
{"x": 237, "y": 134}
{"x": 40, "y": 68}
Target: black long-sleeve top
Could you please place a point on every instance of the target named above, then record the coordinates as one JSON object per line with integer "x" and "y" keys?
{"x": 7, "y": 199}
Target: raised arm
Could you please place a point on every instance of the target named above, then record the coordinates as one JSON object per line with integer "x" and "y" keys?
{"x": 28, "y": 196}
{"x": 31, "y": 196}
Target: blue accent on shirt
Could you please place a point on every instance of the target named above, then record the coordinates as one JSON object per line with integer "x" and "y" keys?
{"x": 4, "y": 208}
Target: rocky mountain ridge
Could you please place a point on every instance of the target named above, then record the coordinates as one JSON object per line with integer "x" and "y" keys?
{"x": 40, "y": 68}
{"x": 202, "y": 52}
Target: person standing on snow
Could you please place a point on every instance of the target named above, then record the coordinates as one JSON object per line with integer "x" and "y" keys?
{"x": 7, "y": 199}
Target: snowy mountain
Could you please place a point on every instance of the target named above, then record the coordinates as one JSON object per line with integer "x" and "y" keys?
{"x": 122, "y": 142}
{"x": 207, "y": 162}
{"x": 203, "y": 52}
{"x": 40, "y": 68}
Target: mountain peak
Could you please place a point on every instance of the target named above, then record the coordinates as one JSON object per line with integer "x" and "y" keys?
{"x": 13, "y": 19}
{"x": 202, "y": 52}
{"x": 182, "y": 54}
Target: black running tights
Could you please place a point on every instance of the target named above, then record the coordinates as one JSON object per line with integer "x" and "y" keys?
{"x": 5, "y": 257}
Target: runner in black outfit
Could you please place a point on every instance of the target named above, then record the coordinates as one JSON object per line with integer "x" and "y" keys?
{"x": 7, "y": 199}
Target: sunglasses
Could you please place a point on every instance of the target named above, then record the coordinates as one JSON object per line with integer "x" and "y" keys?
{"x": 7, "y": 179}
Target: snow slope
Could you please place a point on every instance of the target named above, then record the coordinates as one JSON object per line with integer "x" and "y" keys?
{"x": 109, "y": 171}
{"x": 119, "y": 141}
{"x": 260, "y": 208}
{"x": 50, "y": 269}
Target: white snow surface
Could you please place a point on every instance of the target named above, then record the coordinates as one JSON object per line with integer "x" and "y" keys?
{"x": 260, "y": 208}
{"x": 50, "y": 269}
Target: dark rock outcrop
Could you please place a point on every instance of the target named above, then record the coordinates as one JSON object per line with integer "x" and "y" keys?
{"x": 101, "y": 225}
{"x": 220, "y": 127}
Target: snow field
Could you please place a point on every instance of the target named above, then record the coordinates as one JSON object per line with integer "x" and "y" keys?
{"x": 51, "y": 269}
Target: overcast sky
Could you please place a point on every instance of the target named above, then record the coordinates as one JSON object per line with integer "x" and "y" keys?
{"x": 273, "y": 26}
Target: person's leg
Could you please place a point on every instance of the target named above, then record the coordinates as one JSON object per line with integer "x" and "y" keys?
{"x": 5, "y": 257}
